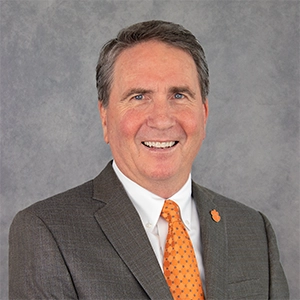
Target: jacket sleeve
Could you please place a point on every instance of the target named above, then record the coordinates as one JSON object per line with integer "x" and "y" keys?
{"x": 36, "y": 267}
{"x": 278, "y": 284}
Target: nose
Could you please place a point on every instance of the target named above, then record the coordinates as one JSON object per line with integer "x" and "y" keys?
{"x": 161, "y": 115}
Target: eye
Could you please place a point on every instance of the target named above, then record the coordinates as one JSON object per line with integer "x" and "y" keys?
{"x": 138, "y": 97}
{"x": 178, "y": 96}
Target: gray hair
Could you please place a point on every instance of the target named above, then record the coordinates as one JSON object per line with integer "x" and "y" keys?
{"x": 167, "y": 32}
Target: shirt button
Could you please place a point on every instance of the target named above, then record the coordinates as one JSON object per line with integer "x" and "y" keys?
{"x": 148, "y": 225}
{"x": 187, "y": 222}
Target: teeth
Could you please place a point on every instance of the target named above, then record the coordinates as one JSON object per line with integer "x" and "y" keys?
{"x": 159, "y": 144}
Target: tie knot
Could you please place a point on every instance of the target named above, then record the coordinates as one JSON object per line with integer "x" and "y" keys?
{"x": 170, "y": 211}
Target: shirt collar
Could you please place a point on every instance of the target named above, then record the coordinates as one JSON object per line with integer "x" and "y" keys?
{"x": 149, "y": 205}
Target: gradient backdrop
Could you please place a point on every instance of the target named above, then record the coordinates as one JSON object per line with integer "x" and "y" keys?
{"x": 51, "y": 137}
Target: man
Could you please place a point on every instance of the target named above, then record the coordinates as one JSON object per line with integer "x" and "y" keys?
{"x": 110, "y": 238}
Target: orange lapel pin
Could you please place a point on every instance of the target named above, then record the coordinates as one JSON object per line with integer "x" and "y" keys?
{"x": 215, "y": 215}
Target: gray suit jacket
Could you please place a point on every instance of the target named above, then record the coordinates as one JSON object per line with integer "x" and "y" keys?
{"x": 89, "y": 243}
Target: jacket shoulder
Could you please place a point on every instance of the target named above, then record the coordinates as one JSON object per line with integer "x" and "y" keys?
{"x": 66, "y": 203}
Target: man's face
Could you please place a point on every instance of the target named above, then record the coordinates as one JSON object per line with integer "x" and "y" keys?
{"x": 155, "y": 120}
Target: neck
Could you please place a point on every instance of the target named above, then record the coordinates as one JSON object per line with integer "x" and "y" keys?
{"x": 164, "y": 188}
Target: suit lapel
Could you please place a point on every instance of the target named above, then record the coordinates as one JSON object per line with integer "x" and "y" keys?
{"x": 214, "y": 244}
{"x": 122, "y": 226}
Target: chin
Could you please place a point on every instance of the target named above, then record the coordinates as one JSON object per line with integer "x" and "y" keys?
{"x": 161, "y": 173}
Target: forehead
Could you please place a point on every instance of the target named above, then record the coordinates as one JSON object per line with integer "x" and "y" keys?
{"x": 154, "y": 58}
{"x": 152, "y": 49}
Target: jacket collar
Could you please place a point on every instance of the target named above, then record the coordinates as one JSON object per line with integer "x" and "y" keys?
{"x": 214, "y": 243}
{"x": 122, "y": 225}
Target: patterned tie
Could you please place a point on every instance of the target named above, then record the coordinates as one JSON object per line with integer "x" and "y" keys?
{"x": 180, "y": 264}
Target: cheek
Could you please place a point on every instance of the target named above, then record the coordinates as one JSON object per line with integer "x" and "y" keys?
{"x": 193, "y": 124}
{"x": 126, "y": 125}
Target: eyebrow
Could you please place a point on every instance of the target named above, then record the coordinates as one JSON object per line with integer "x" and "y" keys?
{"x": 182, "y": 89}
{"x": 172, "y": 90}
{"x": 135, "y": 91}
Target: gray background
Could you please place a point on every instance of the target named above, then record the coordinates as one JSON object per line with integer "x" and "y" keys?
{"x": 51, "y": 138}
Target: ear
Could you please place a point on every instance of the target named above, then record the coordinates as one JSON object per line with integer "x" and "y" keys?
{"x": 205, "y": 112}
{"x": 103, "y": 116}
{"x": 205, "y": 115}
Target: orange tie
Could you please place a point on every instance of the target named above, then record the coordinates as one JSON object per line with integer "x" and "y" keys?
{"x": 180, "y": 263}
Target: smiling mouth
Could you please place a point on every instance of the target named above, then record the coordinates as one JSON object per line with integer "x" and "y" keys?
{"x": 160, "y": 145}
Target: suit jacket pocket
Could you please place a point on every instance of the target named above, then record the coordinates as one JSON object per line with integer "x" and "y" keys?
{"x": 251, "y": 289}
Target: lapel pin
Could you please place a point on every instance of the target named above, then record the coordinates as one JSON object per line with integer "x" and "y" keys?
{"x": 215, "y": 215}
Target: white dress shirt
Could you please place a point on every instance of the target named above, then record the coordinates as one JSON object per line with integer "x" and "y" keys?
{"x": 149, "y": 206}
